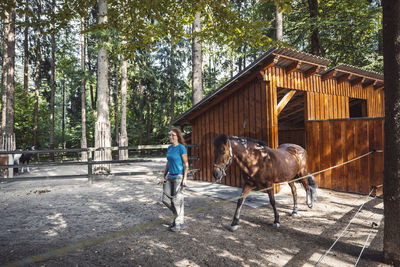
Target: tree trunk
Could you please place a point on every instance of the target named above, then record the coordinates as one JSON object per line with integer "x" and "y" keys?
{"x": 316, "y": 46}
{"x": 197, "y": 81}
{"x": 116, "y": 118}
{"x": 102, "y": 127}
{"x": 26, "y": 55}
{"x": 52, "y": 85}
{"x": 7, "y": 122}
{"x": 84, "y": 155}
{"x": 171, "y": 82}
{"x": 278, "y": 24}
{"x": 391, "y": 189}
{"x": 63, "y": 115}
{"x": 123, "y": 139}
{"x": 37, "y": 78}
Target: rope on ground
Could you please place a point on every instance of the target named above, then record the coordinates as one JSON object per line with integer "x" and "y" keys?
{"x": 347, "y": 226}
{"x": 94, "y": 241}
{"x": 373, "y": 226}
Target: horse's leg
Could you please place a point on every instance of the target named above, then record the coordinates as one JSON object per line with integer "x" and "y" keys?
{"x": 271, "y": 195}
{"x": 294, "y": 194}
{"x": 310, "y": 187}
{"x": 246, "y": 190}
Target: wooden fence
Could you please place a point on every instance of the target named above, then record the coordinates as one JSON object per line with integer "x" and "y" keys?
{"x": 331, "y": 142}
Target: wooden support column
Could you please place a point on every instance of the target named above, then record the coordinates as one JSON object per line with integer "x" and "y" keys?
{"x": 272, "y": 118}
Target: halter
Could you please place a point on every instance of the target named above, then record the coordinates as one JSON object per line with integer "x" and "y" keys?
{"x": 227, "y": 163}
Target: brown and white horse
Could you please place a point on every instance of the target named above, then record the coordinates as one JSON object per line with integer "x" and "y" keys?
{"x": 263, "y": 166}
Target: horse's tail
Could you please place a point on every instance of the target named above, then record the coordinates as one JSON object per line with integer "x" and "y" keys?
{"x": 313, "y": 186}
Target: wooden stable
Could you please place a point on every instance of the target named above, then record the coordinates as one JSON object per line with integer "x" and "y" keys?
{"x": 287, "y": 96}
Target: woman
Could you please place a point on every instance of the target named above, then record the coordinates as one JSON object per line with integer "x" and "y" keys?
{"x": 174, "y": 179}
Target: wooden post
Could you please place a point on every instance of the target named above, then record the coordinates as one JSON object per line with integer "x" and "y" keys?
{"x": 8, "y": 144}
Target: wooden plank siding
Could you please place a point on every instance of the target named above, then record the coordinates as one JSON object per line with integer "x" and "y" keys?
{"x": 332, "y": 142}
{"x": 249, "y": 109}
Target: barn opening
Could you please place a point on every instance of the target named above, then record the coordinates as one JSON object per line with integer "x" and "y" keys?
{"x": 357, "y": 108}
{"x": 291, "y": 125}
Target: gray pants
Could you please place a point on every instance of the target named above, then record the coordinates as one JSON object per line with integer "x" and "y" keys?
{"x": 173, "y": 198}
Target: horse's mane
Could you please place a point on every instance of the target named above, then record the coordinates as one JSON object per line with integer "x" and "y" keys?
{"x": 222, "y": 138}
{"x": 247, "y": 140}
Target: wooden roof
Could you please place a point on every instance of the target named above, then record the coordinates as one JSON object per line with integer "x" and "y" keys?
{"x": 290, "y": 60}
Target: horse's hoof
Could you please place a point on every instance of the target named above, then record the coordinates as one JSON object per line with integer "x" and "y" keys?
{"x": 276, "y": 225}
{"x": 294, "y": 214}
{"x": 234, "y": 228}
{"x": 310, "y": 205}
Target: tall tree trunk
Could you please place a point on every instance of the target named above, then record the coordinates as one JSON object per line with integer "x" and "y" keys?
{"x": 171, "y": 81}
{"x": 37, "y": 77}
{"x": 7, "y": 118}
{"x": 63, "y": 115}
{"x": 148, "y": 120}
{"x": 26, "y": 54}
{"x": 197, "y": 81}
{"x": 84, "y": 155}
{"x": 52, "y": 85}
{"x": 391, "y": 189}
{"x": 116, "y": 113}
{"x": 102, "y": 127}
{"x": 123, "y": 140}
{"x": 316, "y": 46}
{"x": 278, "y": 24}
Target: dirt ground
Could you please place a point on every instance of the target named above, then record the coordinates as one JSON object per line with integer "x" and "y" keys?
{"x": 120, "y": 221}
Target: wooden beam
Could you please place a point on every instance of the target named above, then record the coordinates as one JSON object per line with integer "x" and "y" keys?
{"x": 313, "y": 70}
{"x": 357, "y": 80}
{"x": 343, "y": 78}
{"x": 379, "y": 86}
{"x": 271, "y": 62}
{"x": 284, "y": 101}
{"x": 328, "y": 75}
{"x": 368, "y": 83}
{"x": 295, "y": 65}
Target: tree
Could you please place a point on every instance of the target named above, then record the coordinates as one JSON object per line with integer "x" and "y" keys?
{"x": 278, "y": 24}
{"x": 37, "y": 73}
{"x": 391, "y": 188}
{"x": 197, "y": 81}
{"x": 7, "y": 123}
{"x": 123, "y": 139}
{"x": 52, "y": 82}
{"x": 83, "y": 89}
{"x": 26, "y": 53}
{"x": 316, "y": 46}
{"x": 102, "y": 127}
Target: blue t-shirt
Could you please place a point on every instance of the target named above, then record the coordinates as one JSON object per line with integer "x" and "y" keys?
{"x": 175, "y": 162}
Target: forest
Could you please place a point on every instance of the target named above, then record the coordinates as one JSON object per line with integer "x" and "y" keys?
{"x": 149, "y": 61}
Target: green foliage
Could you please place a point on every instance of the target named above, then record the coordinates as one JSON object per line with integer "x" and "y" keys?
{"x": 23, "y": 117}
{"x": 155, "y": 36}
{"x": 350, "y": 31}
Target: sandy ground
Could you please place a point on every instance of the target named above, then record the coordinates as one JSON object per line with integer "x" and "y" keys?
{"x": 120, "y": 221}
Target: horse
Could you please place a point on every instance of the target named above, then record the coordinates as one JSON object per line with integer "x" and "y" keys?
{"x": 23, "y": 158}
{"x": 262, "y": 167}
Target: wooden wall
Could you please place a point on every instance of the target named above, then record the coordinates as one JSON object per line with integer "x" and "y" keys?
{"x": 331, "y": 142}
{"x": 241, "y": 114}
{"x": 250, "y": 110}
{"x": 328, "y": 99}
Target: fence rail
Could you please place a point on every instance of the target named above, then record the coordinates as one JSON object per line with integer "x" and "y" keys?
{"x": 90, "y": 162}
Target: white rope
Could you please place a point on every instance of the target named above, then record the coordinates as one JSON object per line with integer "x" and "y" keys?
{"x": 347, "y": 226}
{"x": 365, "y": 244}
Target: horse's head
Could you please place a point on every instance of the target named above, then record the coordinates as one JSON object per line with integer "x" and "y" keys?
{"x": 222, "y": 156}
{"x": 29, "y": 148}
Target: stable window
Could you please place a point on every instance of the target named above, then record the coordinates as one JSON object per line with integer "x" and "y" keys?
{"x": 357, "y": 107}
